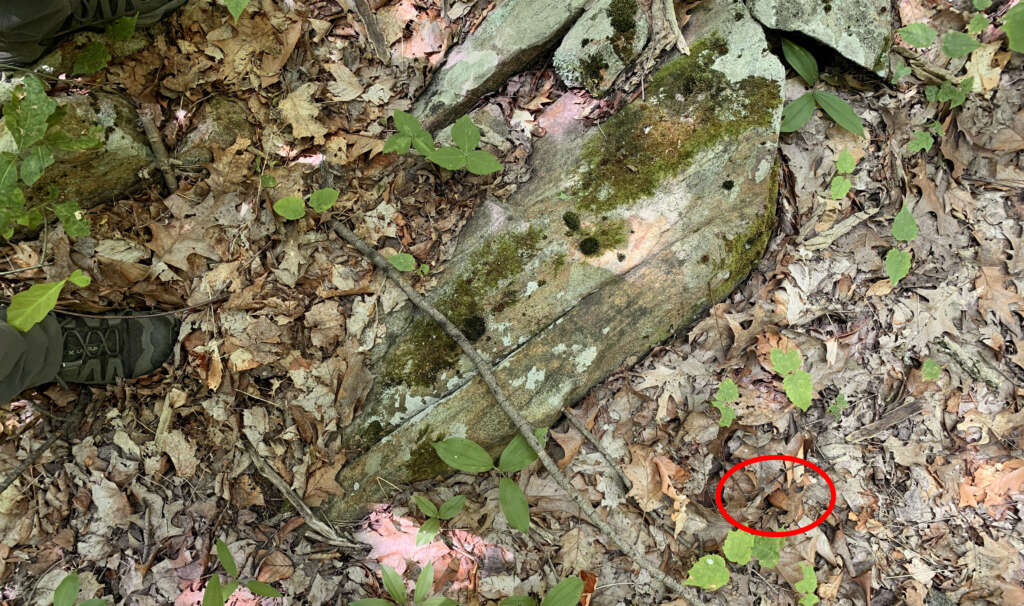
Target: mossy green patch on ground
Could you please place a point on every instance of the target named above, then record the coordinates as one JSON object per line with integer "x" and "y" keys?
{"x": 622, "y": 14}
{"x": 423, "y": 459}
{"x": 690, "y": 108}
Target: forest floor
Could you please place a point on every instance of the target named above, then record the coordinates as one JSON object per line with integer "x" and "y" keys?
{"x": 929, "y": 471}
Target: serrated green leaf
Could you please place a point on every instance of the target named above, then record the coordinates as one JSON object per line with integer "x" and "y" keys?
{"x": 91, "y": 59}
{"x": 839, "y": 187}
{"x": 371, "y": 602}
{"x": 981, "y": 4}
{"x": 978, "y": 22}
{"x": 323, "y": 199}
{"x": 958, "y": 44}
{"x": 403, "y": 261}
{"x": 799, "y": 389}
{"x": 236, "y": 7}
{"x": 450, "y": 158}
{"x": 921, "y": 141}
{"x": 425, "y": 506}
{"x": 727, "y": 391}
{"x": 72, "y": 217}
{"x": 428, "y": 531}
{"x": 397, "y": 144}
{"x": 226, "y": 559}
{"x": 802, "y": 61}
{"x": 738, "y": 546}
{"x": 809, "y": 582}
{"x": 451, "y": 508}
{"x": 728, "y": 413}
{"x": 518, "y": 600}
{"x": 785, "y": 362}
{"x": 514, "y": 505}
{"x": 212, "y": 595}
{"x": 518, "y": 453}
{"x": 67, "y": 591}
{"x": 567, "y": 593}
{"x": 931, "y": 92}
{"x": 918, "y": 35}
{"x": 424, "y": 583}
{"x": 122, "y": 28}
{"x": 837, "y": 406}
{"x": 407, "y": 123}
{"x": 464, "y": 455}
{"x": 904, "y": 227}
{"x": 897, "y": 265}
{"x": 394, "y": 584}
{"x": 797, "y": 113}
{"x": 291, "y": 208}
{"x": 840, "y": 111}
{"x": 930, "y": 370}
{"x": 767, "y": 550}
{"x": 1013, "y": 25}
{"x": 263, "y": 589}
{"x": 34, "y": 162}
{"x": 709, "y": 572}
{"x": 481, "y": 162}
{"x": 29, "y": 307}
{"x": 845, "y": 162}
{"x": 79, "y": 278}
{"x": 952, "y": 93}
{"x": 465, "y": 134}
{"x": 27, "y": 111}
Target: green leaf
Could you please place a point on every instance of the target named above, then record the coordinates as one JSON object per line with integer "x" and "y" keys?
{"x": 955, "y": 95}
{"x": 981, "y": 4}
{"x": 213, "y": 596}
{"x": 930, "y": 370}
{"x": 80, "y": 278}
{"x": 76, "y": 224}
{"x": 323, "y": 199}
{"x": 226, "y": 559}
{"x": 291, "y": 208}
{"x": 1013, "y": 25}
{"x": 27, "y": 111}
{"x": 91, "y": 59}
{"x": 958, "y": 44}
{"x": 228, "y": 590}
{"x": 425, "y": 506}
{"x": 235, "y": 7}
{"x": 808, "y": 600}
{"x": 450, "y": 158}
{"x": 518, "y": 454}
{"x": 394, "y": 584}
{"x": 785, "y": 362}
{"x": 407, "y": 123}
{"x": 424, "y": 143}
{"x": 978, "y": 22}
{"x": 428, "y": 531}
{"x": 481, "y": 162}
{"x": 727, "y": 391}
{"x": 809, "y": 582}
{"x": 799, "y": 389}
{"x": 268, "y": 181}
{"x": 767, "y": 550}
{"x": 451, "y": 508}
{"x": 567, "y": 593}
{"x": 918, "y": 35}
{"x": 8, "y": 170}
{"x": 67, "y": 591}
{"x": 424, "y": 583}
{"x": 29, "y": 307}
{"x": 263, "y": 589}
{"x": 122, "y": 28}
{"x": 802, "y": 61}
{"x": 897, "y": 265}
{"x": 397, "y": 144}
{"x": 845, "y": 162}
{"x": 839, "y": 187}
{"x": 797, "y": 112}
{"x": 439, "y": 601}
{"x": 738, "y": 546}
{"x": 465, "y": 134}
{"x": 837, "y": 406}
{"x": 728, "y": 413}
{"x": 38, "y": 158}
{"x": 58, "y": 139}
{"x": 403, "y": 261}
{"x": 519, "y": 600}
{"x": 840, "y": 111}
{"x": 371, "y": 602}
{"x": 904, "y": 227}
{"x": 514, "y": 505}
{"x": 900, "y": 73}
{"x": 709, "y": 572}
{"x": 921, "y": 141}
{"x": 464, "y": 455}
{"x": 931, "y": 92}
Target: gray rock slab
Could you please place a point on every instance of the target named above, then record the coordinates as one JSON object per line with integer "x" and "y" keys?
{"x": 220, "y": 121}
{"x": 601, "y": 44}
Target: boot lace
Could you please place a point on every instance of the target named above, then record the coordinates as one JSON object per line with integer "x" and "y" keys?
{"x": 91, "y": 343}
{"x": 103, "y": 10}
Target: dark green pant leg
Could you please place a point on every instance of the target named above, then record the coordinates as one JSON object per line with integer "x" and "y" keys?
{"x": 28, "y": 359}
{"x": 27, "y": 27}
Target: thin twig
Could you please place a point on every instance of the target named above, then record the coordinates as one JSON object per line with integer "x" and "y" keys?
{"x": 18, "y": 271}
{"x": 84, "y": 397}
{"x": 377, "y": 41}
{"x": 580, "y": 427}
{"x": 156, "y": 142}
{"x": 524, "y": 426}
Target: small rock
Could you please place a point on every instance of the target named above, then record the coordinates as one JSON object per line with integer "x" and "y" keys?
{"x": 219, "y": 121}
{"x": 601, "y": 44}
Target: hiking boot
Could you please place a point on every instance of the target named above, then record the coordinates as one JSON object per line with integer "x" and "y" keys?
{"x": 100, "y": 351}
{"x": 90, "y": 13}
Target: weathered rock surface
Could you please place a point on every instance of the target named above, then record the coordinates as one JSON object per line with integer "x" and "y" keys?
{"x": 601, "y": 44}
{"x": 516, "y": 33}
{"x": 858, "y": 30}
{"x": 219, "y": 121}
{"x": 625, "y": 234}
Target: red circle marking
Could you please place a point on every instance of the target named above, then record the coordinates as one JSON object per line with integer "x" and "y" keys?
{"x": 767, "y": 533}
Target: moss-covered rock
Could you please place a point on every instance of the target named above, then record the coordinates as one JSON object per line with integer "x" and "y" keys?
{"x": 609, "y": 35}
{"x": 219, "y": 121}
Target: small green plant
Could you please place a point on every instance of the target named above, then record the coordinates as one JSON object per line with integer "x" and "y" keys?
{"x": 797, "y": 382}
{"x": 29, "y": 307}
{"x": 467, "y": 455}
{"x": 930, "y": 370}
{"x": 727, "y": 392}
{"x": 837, "y": 406}
{"x": 217, "y": 594}
{"x": 567, "y": 593}
{"x": 405, "y": 262}
{"x": 294, "y": 207}
{"x": 448, "y": 510}
{"x": 841, "y": 185}
{"x": 236, "y": 7}
{"x": 797, "y": 112}
{"x": 897, "y": 261}
{"x": 66, "y": 593}
{"x": 395, "y": 586}
{"x": 96, "y": 55}
{"x": 807, "y": 585}
{"x": 710, "y": 571}
{"x": 465, "y": 154}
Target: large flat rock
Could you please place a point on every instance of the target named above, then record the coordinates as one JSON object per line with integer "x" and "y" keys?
{"x": 625, "y": 235}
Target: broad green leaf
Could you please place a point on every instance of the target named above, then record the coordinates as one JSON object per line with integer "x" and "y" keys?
{"x": 518, "y": 600}
{"x": 918, "y": 35}
{"x": 424, "y": 583}
{"x": 428, "y": 531}
{"x": 394, "y": 584}
{"x": 904, "y": 227}
{"x": 29, "y": 307}
{"x": 91, "y": 59}
{"x": 263, "y": 589}
{"x": 371, "y": 602}
{"x": 450, "y": 158}
{"x": 31, "y": 218}
{"x": 897, "y": 265}
{"x": 465, "y": 134}
{"x": 423, "y": 142}
{"x": 797, "y": 113}
{"x": 67, "y": 591}
{"x": 291, "y": 208}
{"x": 799, "y": 389}
{"x": 728, "y": 413}
{"x": 323, "y": 199}
{"x": 268, "y": 181}
{"x": 79, "y": 278}
{"x": 397, "y": 143}
{"x": 93, "y": 602}
{"x": 727, "y": 391}
{"x": 425, "y": 506}
{"x": 921, "y": 141}
{"x": 58, "y": 139}
{"x": 236, "y": 7}
{"x": 407, "y": 123}
{"x": 978, "y": 22}
{"x": 839, "y": 187}
{"x": 958, "y": 44}
{"x": 439, "y": 601}
{"x": 518, "y": 453}
{"x": 809, "y": 582}
{"x": 1013, "y": 25}
{"x": 72, "y": 217}
{"x": 567, "y": 593}
{"x": 27, "y": 111}
{"x": 845, "y": 162}
{"x": 785, "y": 362}
{"x": 981, "y": 4}
{"x": 8, "y": 170}
{"x": 954, "y": 94}
{"x": 738, "y": 546}
{"x": 840, "y": 111}
{"x": 35, "y": 161}
{"x": 226, "y": 559}
{"x": 514, "y": 505}
{"x": 481, "y": 162}
{"x": 802, "y": 61}
{"x": 213, "y": 596}
{"x": 403, "y": 261}
{"x": 451, "y": 508}
{"x": 464, "y": 455}
{"x": 808, "y": 600}
{"x": 767, "y": 549}
{"x": 709, "y": 572}
{"x": 930, "y": 370}
{"x": 228, "y": 590}
{"x": 122, "y": 28}
{"x": 837, "y": 406}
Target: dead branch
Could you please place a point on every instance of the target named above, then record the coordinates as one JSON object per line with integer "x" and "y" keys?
{"x": 377, "y": 41}
{"x": 156, "y": 142}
